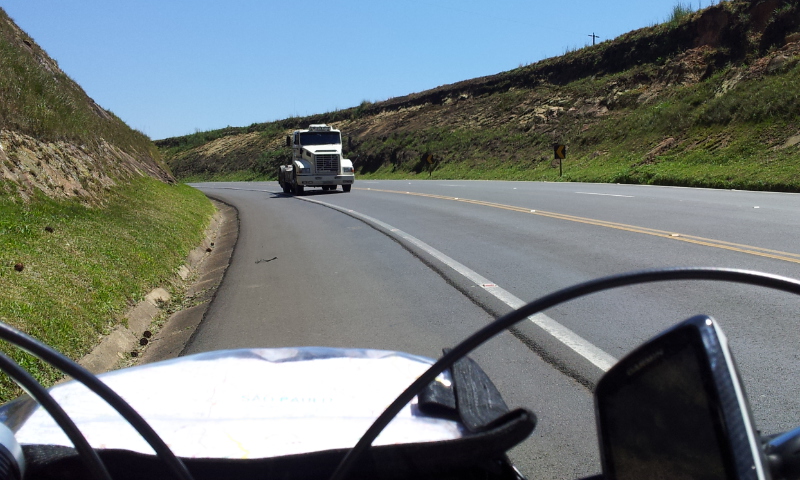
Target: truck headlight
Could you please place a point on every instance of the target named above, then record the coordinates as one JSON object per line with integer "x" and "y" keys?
{"x": 305, "y": 170}
{"x": 347, "y": 169}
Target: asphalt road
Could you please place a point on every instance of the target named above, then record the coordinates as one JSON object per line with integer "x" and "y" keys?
{"x": 383, "y": 267}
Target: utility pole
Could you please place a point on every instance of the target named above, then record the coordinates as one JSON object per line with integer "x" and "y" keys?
{"x": 594, "y": 37}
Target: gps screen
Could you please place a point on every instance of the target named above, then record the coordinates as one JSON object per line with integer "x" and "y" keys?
{"x": 659, "y": 423}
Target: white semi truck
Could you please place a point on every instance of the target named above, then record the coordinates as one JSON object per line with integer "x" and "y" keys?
{"x": 316, "y": 161}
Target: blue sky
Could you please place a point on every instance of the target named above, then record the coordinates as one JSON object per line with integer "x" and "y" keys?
{"x": 170, "y": 67}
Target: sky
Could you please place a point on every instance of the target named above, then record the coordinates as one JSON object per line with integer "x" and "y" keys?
{"x": 174, "y": 67}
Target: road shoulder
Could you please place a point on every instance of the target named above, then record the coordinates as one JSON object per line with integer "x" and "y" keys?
{"x": 158, "y": 327}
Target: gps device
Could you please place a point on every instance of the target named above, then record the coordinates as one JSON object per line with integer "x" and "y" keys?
{"x": 675, "y": 408}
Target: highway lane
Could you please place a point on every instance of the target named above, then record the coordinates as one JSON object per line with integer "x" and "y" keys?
{"x": 489, "y": 227}
{"x": 738, "y": 216}
{"x": 533, "y": 253}
{"x": 330, "y": 280}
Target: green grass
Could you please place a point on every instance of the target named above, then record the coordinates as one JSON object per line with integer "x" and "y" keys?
{"x": 79, "y": 280}
{"x": 239, "y": 176}
{"x": 738, "y": 155}
{"x": 696, "y": 170}
{"x": 679, "y": 12}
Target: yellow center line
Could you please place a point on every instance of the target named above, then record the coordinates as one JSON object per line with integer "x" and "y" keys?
{"x": 708, "y": 242}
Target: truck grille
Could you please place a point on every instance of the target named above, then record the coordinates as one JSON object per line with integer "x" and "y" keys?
{"x": 327, "y": 163}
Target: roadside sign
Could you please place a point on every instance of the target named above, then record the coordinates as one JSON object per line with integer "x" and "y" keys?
{"x": 560, "y": 151}
{"x": 429, "y": 159}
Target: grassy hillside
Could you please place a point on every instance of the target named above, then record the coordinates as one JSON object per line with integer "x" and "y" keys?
{"x": 708, "y": 98}
{"x": 83, "y": 267}
{"x": 90, "y": 219}
{"x": 40, "y": 100}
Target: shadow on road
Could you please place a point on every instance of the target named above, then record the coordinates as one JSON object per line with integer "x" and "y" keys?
{"x": 307, "y": 193}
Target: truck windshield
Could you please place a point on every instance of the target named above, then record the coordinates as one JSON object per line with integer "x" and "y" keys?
{"x": 320, "y": 138}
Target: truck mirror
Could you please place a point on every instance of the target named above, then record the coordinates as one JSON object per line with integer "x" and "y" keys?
{"x": 675, "y": 408}
{"x": 288, "y": 140}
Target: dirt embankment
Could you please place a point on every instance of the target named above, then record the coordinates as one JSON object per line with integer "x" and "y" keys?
{"x": 53, "y": 137}
{"x": 228, "y": 153}
{"x": 61, "y": 169}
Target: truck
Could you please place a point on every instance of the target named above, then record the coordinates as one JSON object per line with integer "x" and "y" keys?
{"x": 316, "y": 161}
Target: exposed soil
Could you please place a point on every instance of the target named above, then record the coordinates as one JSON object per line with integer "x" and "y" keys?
{"x": 65, "y": 170}
{"x": 61, "y": 163}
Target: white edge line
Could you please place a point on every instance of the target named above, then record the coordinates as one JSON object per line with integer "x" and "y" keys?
{"x": 606, "y": 194}
{"x": 578, "y": 344}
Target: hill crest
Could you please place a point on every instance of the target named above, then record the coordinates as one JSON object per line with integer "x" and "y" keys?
{"x": 713, "y": 86}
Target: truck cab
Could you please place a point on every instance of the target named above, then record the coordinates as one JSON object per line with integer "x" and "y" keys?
{"x": 316, "y": 161}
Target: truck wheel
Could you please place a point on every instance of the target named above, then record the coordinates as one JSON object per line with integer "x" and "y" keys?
{"x": 285, "y": 187}
{"x": 346, "y": 188}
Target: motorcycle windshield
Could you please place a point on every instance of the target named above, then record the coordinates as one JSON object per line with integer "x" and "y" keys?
{"x": 252, "y": 403}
